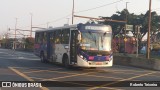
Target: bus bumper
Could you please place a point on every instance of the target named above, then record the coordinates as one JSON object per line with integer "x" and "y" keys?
{"x": 84, "y": 63}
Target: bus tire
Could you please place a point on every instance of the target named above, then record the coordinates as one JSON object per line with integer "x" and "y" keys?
{"x": 66, "y": 62}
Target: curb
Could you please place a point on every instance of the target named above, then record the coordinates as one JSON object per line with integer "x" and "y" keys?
{"x": 153, "y": 64}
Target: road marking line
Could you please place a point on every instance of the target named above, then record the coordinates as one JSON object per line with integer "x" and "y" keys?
{"x": 69, "y": 76}
{"x": 125, "y": 70}
{"x": 75, "y": 74}
{"x": 37, "y": 78}
{"x": 127, "y": 73}
{"x": 104, "y": 77}
{"x": 35, "y": 68}
{"x": 105, "y": 85}
{"x": 112, "y": 88}
{"x": 63, "y": 72}
{"x": 26, "y": 77}
{"x": 41, "y": 71}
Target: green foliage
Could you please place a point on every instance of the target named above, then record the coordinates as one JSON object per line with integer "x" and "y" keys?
{"x": 29, "y": 43}
{"x": 135, "y": 20}
{"x": 132, "y": 19}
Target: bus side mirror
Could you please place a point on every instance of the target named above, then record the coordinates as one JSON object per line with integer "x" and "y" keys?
{"x": 79, "y": 37}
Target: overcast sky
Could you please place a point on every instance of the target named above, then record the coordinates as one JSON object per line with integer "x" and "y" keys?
{"x": 58, "y": 12}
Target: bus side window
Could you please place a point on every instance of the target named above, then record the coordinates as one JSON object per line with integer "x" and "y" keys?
{"x": 52, "y": 37}
{"x": 38, "y": 38}
{"x": 41, "y": 38}
{"x": 44, "y": 37}
{"x": 65, "y": 36}
{"x": 58, "y": 37}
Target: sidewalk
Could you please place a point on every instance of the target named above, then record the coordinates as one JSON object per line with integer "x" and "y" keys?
{"x": 140, "y": 61}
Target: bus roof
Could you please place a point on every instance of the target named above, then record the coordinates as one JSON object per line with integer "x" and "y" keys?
{"x": 56, "y": 28}
{"x": 69, "y": 26}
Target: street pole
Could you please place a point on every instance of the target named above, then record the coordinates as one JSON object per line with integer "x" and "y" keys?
{"x": 125, "y": 29}
{"x": 73, "y": 13}
{"x": 149, "y": 27}
{"x": 137, "y": 40}
{"x": 14, "y": 44}
{"x": 31, "y": 25}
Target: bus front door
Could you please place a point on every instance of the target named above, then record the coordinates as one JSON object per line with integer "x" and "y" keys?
{"x": 73, "y": 46}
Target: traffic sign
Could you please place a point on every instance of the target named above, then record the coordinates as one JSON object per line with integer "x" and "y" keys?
{"x": 129, "y": 27}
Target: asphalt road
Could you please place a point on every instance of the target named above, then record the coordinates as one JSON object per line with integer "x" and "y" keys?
{"x": 25, "y": 66}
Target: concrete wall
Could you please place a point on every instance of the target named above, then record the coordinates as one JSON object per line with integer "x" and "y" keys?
{"x": 137, "y": 62}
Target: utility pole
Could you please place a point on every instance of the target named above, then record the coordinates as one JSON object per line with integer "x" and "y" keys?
{"x": 73, "y": 13}
{"x": 125, "y": 29}
{"x": 14, "y": 44}
{"x": 149, "y": 27}
{"x": 138, "y": 30}
{"x": 31, "y": 25}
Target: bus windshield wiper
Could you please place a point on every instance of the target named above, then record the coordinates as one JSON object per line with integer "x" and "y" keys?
{"x": 102, "y": 39}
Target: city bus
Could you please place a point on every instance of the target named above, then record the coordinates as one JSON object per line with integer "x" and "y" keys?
{"x": 82, "y": 45}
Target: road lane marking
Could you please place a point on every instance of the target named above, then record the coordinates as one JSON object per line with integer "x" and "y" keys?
{"x": 127, "y": 73}
{"x": 36, "y": 71}
{"x": 63, "y": 72}
{"x": 44, "y": 88}
{"x": 26, "y": 77}
{"x": 112, "y": 88}
{"x": 105, "y": 85}
{"x": 69, "y": 76}
{"x": 37, "y": 78}
{"x": 105, "y": 77}
{"x": 112, "y": 70}
{"x": 75, "y": 74}
{"x": 69, "y": 73}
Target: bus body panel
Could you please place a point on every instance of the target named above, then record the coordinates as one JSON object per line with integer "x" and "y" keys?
{"x": 60, "y": 51}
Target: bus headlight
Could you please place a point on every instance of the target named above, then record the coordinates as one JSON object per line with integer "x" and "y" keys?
{"x": 81, "y": 56}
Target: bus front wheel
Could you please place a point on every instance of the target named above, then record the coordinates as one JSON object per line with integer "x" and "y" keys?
{"x": 66, "y": 62}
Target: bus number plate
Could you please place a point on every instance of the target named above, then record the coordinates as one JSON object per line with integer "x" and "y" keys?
{"x": 98, "y": 63}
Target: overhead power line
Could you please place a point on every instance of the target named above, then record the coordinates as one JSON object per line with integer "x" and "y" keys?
{"x": 64, "y": 17}
{"x": 99, "y": 6}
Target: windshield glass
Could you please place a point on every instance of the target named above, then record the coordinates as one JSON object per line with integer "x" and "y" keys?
{"x": 96, "y": 41}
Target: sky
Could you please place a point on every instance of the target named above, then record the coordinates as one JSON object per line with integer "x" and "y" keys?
{"x": 56, "y": 13}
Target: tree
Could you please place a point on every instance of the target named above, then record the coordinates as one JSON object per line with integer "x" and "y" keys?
{"x": 135, "y": 20}
{"x": 29, "y": 43}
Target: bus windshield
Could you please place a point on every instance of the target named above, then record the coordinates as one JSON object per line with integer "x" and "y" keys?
{"x": 100, "y": 41}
